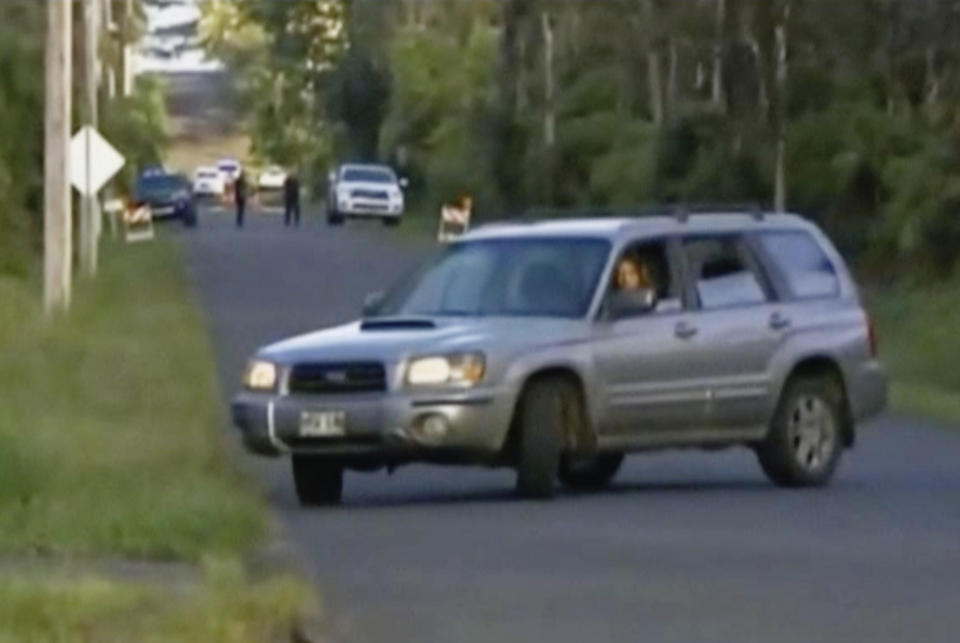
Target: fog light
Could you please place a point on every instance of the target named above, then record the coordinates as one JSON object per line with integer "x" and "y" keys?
{"x": 432, "y": 428}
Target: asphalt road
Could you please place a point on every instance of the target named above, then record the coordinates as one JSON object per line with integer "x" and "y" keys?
{"x": 684, "y": 546}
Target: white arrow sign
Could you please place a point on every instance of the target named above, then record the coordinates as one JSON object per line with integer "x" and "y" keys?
{"x": 93, "y": 161}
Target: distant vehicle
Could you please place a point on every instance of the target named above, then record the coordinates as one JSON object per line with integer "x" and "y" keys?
{"x": 556, "y": 348}
{"x": 207, "y": 181}
{"x": 272, "y": 178}
{"x": 229, "y": 169}
{"x": 365, "y": 191}
{"x": 168, "y": 195}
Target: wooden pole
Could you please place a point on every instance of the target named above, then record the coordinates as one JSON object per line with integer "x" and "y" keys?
{"x": 57, "y": 226}
{"x": 89, "y": 206}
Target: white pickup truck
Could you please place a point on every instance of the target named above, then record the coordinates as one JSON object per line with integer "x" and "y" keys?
{"x": 365, "y": 191}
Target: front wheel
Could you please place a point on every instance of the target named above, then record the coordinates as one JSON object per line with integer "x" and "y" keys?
{"x": 588, "y": 474}
{"x": 541, "y": 436}
{"x": 391, "y": 221}
{"x": 317, "y": 481}
{"x": 334, "y": 217}
{"x": 805, "y": 442}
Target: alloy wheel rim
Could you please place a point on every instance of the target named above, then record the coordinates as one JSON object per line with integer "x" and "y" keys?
{"x": 812, "y": 432}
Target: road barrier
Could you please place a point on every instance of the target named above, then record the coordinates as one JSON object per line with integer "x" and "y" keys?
{"x": 138, "y": 223}
{"x": 454, "y": 220}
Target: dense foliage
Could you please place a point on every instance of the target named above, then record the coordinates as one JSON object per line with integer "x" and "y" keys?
{"x": 844, "y": 111}
{"x": 134, "y": 124}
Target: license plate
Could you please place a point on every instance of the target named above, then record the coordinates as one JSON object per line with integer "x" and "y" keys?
{"x": 322, "y": 424}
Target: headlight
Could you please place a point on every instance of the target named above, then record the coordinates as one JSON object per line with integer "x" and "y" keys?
{"x": 463, "y": 369}
{"x": 260, "y": 376}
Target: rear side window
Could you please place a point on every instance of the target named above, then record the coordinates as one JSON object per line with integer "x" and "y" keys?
{"x": 805, "y": 268}
{"x": 723, "y": 273}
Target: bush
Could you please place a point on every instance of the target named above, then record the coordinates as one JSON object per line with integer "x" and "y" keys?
{"x": 137, "y": 126}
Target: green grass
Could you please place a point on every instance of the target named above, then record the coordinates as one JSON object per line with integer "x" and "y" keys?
{"x": 921, "y": 348}
{"x": 223, "y": 606}
{"x": 110, "y": 425}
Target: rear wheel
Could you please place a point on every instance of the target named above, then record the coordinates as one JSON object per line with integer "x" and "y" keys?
{"x": 589, "y": 473}
{"x": 805, "y": 440}
{"x": 317, "y": 481}
{"x": 540, "y": 442}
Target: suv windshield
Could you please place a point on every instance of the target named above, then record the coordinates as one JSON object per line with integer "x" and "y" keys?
{"x": 159, "y": 185}
{"x": 368, "y": 175}
{"x": 504, "y": 277}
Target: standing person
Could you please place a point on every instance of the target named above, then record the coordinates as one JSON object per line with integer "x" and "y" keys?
{"x": 240, "y": 196}
{"x": 291, "y": 200}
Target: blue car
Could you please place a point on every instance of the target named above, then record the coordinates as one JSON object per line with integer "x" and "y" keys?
{"x": 168, "y": 195}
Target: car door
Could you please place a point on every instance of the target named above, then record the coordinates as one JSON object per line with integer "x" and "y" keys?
{"x": 736, "y": 328}
{"x": 646, "y": 361}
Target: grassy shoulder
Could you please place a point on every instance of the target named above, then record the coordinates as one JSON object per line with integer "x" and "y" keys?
{"x": 110, "y": 424}
{"x": 918, "y": 343}
{"x": 223, "y": 606}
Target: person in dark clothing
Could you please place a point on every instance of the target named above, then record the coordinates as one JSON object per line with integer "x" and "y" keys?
{"x": 291, "y": 200}
{"x": 240, "y": 197}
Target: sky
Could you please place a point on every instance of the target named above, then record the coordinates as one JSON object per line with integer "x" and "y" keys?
{"x": 189, "y": 59}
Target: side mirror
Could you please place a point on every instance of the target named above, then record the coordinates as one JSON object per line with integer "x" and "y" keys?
{"x": 404, "y": 183}
{"x": 372, "y": 303}
{"x": 630, "y": 303}
{"x": 332, "y": 176}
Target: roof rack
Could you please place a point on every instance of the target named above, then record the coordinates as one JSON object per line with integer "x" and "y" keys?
{"x": 684, "y": 211}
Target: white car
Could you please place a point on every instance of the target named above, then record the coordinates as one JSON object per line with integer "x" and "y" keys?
{"x": 272, "y": 178}
{"x": 229, "y": 169}
{"x": 363, "y": 192}
{"x": 207, "y": 181}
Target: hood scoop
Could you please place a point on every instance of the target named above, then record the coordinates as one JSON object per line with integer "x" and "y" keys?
{"x": 397, "y": 323}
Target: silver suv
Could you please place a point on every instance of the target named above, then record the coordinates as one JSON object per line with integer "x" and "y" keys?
{"x": 557, "y": 347}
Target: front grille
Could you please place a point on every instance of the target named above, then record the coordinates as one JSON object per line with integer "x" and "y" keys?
{"x": 344, "y": 377}
{"x": 369, "y": 194}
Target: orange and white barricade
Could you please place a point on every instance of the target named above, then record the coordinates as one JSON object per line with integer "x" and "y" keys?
{"x": 454, "y": 220}
{"x": 138, "y": 223}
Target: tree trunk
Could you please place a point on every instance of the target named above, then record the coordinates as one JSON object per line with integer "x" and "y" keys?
{"x": 716, "y": 93}
{"x": 654, "y": 64}
{"x": 673, "y": 63}
{"x": 780, "y": 190}
{"x": 549, "y": 114}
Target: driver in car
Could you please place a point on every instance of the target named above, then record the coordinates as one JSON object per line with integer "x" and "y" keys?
{"x": 633, "y": 275}
{"x": 633, "y": 285}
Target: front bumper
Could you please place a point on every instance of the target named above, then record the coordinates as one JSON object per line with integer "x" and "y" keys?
{"x": 178, "y": 209}
{"x": 372, "y": 208}
{"x": 378, "y": 426}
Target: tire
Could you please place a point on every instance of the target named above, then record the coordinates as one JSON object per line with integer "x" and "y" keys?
{"x": 334, "y": 218}
{"x": 540, "y": 441}
{"x": 590, "y": 474}
{"x": 391, "y": 222}
{"x": 805, "y": 441}
{"x": 317, "y": 481}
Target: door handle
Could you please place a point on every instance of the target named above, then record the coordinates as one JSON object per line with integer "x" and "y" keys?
{"x": 683, "y": 330}
{"x": 778, "y": 321}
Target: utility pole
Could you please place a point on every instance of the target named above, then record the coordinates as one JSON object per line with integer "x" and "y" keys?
{"x": 90, "y": 210}
{"x": 127, "y": 49}
{"x": 57, "y": 225}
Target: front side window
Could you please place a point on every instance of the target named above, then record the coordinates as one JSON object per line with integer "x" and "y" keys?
{"x": 504, "y": 277}
{"x": 722, "y": 273}
{"x": 801, "y": 261}
{"x": 642, "y": 281}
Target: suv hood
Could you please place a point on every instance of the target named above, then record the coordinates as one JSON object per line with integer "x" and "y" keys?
{"x": 392, "y": 340}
